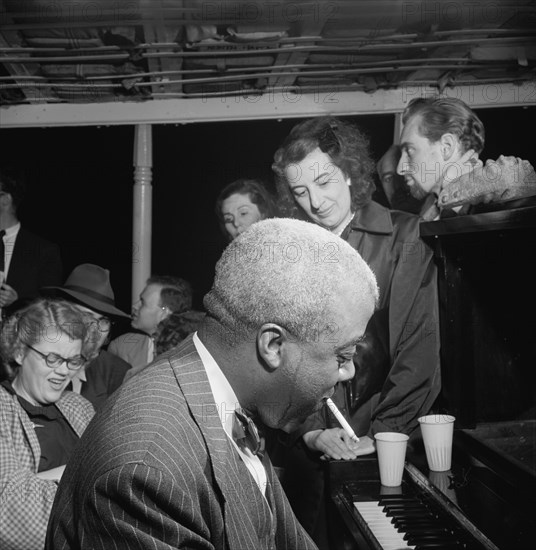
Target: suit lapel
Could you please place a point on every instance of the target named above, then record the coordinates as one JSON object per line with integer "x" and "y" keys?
{"x": 19, "y": 259}
{"x": 248, "y": 516}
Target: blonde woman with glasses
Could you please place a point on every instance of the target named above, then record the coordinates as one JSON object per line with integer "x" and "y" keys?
{"x": 43, "y": 346}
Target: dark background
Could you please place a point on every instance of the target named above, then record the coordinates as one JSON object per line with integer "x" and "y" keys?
{"x": 80, "y": 180}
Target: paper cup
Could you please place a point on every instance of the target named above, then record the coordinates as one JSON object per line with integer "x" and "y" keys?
{"x": 437, "y": 431}
{"x": 391, "y": 449}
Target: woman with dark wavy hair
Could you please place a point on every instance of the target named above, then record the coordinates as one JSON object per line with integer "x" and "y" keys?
{"x": 331, "y": 145}
{"x": 242, "y": 203}
{"x": 324, "y": 175}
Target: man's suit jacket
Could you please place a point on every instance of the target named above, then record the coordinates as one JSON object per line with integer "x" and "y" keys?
{"x": 132, "y": 347}
{"x": 35, "y": 263}
{"x": 156, "y": 470}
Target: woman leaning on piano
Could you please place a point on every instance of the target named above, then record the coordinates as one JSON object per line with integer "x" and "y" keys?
{"x": 324, "y": 175}
{"x": 42, "y": 345}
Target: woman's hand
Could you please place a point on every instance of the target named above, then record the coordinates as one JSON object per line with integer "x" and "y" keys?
{"x": 53, "y": 474}
{"x": 336, "y": 443}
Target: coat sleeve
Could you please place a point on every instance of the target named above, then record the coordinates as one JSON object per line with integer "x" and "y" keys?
{"x": 132, "y": 506}
{"x": 406, "y": 336}
{"x": 25, "y": 499}
{"x": 413, "y": 381}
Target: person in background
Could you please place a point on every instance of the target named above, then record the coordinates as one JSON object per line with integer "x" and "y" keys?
{"x": 88, "y": 287}
{"x": 162, "y": 296}
{"x": 396, "y": 191}
{"x": 44, "y": 344}
{"x": 324, "y": 174}
{"x": 178, "y": 461}
{"x": 174, "y": 329}
{"x": 27, "y": 261}
{"x": 242, "y": 203}
{"x": 440, "y": 141}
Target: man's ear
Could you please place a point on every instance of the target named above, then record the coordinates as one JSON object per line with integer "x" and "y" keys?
{"x": 449, "y": 146}
{"x": 165, "y": 313}
{"x": 271, "y": 344}
{"x": 6, "y": 198}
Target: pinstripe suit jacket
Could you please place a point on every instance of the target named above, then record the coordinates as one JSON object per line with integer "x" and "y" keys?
{"x": 155, "y": 469}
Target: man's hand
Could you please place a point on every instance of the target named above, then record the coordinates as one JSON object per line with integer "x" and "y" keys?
{"x": 336, "y": 443}
{"x": 7, "y": 295}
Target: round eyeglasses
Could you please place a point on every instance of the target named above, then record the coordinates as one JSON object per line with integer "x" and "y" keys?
{"x": 104, "y": 324}
{"x": 53, "y": 360}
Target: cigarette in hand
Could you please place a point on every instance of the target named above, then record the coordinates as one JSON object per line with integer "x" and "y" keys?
{"x": 342, "y": 421}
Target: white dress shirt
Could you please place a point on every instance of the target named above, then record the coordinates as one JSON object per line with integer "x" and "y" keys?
{"x": 227, "y": 403}
{"x": 9, "y": 244}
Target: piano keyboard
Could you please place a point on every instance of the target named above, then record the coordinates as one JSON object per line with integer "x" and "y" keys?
{"x": 401, "y": 522}
{"x": 417, "y": 515}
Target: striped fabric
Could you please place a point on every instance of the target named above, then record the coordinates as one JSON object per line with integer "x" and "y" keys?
{"x": 155, "y": 469}
{"x": 25, "y": 499}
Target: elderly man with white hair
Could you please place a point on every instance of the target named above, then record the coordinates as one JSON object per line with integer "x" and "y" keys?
{"x": 176, "y": 460}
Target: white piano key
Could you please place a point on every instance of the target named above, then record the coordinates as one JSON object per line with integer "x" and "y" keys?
{"x": 381, "y": 526}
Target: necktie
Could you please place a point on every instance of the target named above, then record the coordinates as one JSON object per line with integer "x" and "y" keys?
{"x": 2, "y": 251}
{"x": 246, "y": 434}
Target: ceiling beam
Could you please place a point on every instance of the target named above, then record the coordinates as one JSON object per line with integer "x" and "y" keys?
{"x": 256, "y": 107}
{"x": 157, "y": 32}
{"x": 311, "y": 26}
{"x": 9, "y": 39}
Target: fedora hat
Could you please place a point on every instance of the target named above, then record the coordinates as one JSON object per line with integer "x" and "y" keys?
{"x": 90, "y": 285}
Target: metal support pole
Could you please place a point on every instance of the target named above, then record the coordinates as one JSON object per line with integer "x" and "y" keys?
{"x": 142, "y": 209}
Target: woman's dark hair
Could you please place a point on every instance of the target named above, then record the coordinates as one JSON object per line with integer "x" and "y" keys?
{"x": 172, "y": 330}
{"x": 345, "y": 144}
{"x": 176, "y": 294}
{"x": 257, "y": 192}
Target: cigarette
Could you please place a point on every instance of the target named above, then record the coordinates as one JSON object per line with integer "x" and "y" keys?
{"x": 342, "y": 421}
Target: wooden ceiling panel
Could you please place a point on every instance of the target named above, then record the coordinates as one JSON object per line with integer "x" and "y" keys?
{"x": 98, "y": 50}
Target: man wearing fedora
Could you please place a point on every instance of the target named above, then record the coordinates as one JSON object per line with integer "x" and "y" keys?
{"x": 162, "y": 296}
{"x": 88, "y": 287}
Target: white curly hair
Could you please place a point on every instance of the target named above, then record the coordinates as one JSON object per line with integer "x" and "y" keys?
{"x": 288, "y": 272}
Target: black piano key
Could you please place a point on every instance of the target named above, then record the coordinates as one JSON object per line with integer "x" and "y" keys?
{"x": 397, "y": 498}
{"x": 414, "y": 521}
{"x": 390, "y": 511}
{"x": 418, "y": 540}
{"x": 426, "y": 530}
{"x": 405, "y": 526}
{"x": 403, "y": 505}
{"x": 438, "y": 546}
{"x": 409, "y": 514}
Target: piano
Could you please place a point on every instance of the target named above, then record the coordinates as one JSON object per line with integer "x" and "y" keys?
{"x": 487, "y": 292}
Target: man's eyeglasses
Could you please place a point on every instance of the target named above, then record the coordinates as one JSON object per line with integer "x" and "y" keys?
{"x": 104, "y": 323}
{"x": 53, "y": 360}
